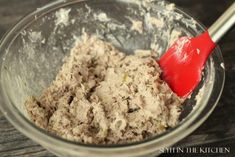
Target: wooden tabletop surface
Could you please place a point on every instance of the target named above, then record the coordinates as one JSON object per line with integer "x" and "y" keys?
{"x": 217, "y": 131}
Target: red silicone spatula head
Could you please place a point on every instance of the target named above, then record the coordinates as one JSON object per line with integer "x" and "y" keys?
{"x": 184, "y": 61}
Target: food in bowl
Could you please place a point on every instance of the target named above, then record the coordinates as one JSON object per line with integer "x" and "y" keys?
{"x": 33, "y": 50}
{"x": 103, "y": 96}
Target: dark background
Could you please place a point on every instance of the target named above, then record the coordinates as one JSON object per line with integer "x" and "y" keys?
{"x": 217, "y": 131}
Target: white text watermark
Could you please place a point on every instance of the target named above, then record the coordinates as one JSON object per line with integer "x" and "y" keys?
{"x": 197, "y": 150}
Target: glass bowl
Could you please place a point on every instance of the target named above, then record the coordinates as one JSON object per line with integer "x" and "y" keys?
{"x": 32, "y": 52}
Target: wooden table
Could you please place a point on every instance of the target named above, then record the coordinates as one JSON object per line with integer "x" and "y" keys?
{"x": 218, "y": 130}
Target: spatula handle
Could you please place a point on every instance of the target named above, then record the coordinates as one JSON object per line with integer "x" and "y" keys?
{"x": 223, "y": 24}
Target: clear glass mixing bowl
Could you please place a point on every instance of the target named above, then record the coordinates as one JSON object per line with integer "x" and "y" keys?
{"x": 32, "y": 52}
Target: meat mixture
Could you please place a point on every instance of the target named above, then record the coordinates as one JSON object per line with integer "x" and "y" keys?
{"x": 103, "y": 96}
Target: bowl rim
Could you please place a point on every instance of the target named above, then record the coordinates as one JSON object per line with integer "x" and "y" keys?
{"x": 29, "y": 129}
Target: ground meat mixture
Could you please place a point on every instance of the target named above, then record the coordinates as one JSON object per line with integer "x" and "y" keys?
{"x": 103, "y": 96}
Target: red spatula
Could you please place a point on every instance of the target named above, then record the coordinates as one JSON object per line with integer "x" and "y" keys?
{"x": 184, "y": 61}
